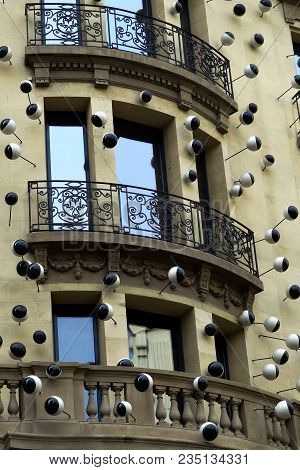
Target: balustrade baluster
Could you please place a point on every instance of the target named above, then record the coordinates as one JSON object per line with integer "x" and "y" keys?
{"x": 236, "y": 423}
{"x": 276, "y": 430}
{"x": 269, "y": 427}
{"x": 200, "y": 417}
{"x": 1, "y": 402}
{"x": 117, "y": 389}
{"x": 225, "y": 421}
{"x": 91, "y": 409}
{"x": 105, "y": 408}
{"x": 285, "y": 438}
{"x": 13, "y": 406}
{"x": 161, "y": 412}
{"x": 187, "y": 415}
{"x": 212, "y": 416}
{"x": 174, "y": 414}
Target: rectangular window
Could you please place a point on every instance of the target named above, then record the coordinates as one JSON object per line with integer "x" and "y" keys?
{"x": 75, "y": 334}
{"x": 68, "y": 171}
{"x": 222, "y": 354}
{"x": 155, "y": 341}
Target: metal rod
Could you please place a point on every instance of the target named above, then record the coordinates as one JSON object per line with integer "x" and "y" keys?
{"x": 291, "y": 55}
{"x": 271, "y": 337}
{"x": 239, "y": 126}
{"x": 238, "y": 78}
{"x": 259, "y": 375}
{"x": 261, "y": 359}
{"x": 64, "y": 412}
{"x": 284, "y": 93}
{"x": 114, "y": 321}
{"x": 165, "y": 288}
{"x": 9, "y": 220}
{"x": 23, "y": 158}
{"x": 279, "y": 223}
{"x": 266, "y": 272}
{"x": 220, "y": 47}
{"x": 133, "y": 417}
{"x": 284, "y": 299}
{"x": 10, "y": 63}
{"x": 276, "y": 5}
{"x": 38, "y": 287}
{"x": 29, "y": 98}
{"x": 286, "y": 390}
{"x": 259, "y": 409}
{"x": 228, "y": 158}
{"x": 40, "y": 122}
{"x": 295, "y": 121}
{"x": 18, "y": 138}
{"x": 258, "y": 241}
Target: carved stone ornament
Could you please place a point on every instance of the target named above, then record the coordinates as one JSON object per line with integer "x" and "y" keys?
{"x": 219, "y": 290}
{"x": 77, "y": 263}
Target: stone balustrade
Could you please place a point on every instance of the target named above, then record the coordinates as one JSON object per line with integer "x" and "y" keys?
{"x": 169, "y": 416}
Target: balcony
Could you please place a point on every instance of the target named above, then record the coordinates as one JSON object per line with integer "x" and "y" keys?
{"x": 168, "y": 418}
{"x": 139, "y": 213}
{"x": 93, "y": 43}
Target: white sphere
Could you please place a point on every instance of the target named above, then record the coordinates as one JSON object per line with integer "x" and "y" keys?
{"x": 236, "y": 190}
{"x": 104, "y": 312}
{"x": 247, "y": 318}
{"x": 284, "y": 410}
{"x": 268, "y": 160}
{"x": 293, "y": 341}
{"x": 272, "y": 236}
{"x": 295, "y": 82}
{"x": 176, "y": 275}
{"x": 5, "y": 54}
{"x": 281, "y": 264}
{"x": 280, "y": 356}
{"x": 8, "y": 126}
{"x": 257, "y": 40}
{"x": 247, "y": 180}
{"x": 227, "y": 38}
{"x": 195, "y": 147}
{"x": 192, "y": 123}
{"x": 270, "y": 371}
{"x": 176, "y": 8}
{"x": 272, "y": 324}
{"x": 124, "y": 409}
{"x": 12, "y": 151}
{"x": 34, "y": 111}
{"x": 253, "y": 143}
{"x": 290, "y": 213}
{"x": 265, "y": 6}
{"x": 99, "y": 119}
{"x": 251, "y": 71}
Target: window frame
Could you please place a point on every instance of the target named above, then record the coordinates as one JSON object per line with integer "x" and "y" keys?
{"x": 153, "y": 320}
{"x": 75, "y": 310}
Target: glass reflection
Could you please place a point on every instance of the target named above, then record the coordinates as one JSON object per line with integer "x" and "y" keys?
{"x": 76, "y": 339}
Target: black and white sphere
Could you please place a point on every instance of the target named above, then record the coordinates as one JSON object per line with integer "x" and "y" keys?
{"x": 5, "y": 54}
{"x": 227, "y": 38}
{"x": 253, "y": 107}
{"x": 265, "y": 6}
{"x": 176, "y": 8}
{"x": 281, "y": 264}
{"x": 54, "y": 406}
{"x": 99, "y": 119}
{"x": 270, "y": 371}
{"x": 280, "y": 356}
{"x": 124, "y": 409}
{"x": 272, "y": 236}
{"x": 19, "y": 313}
{"x": 272, "y": 324}
{"x": 298, "y": 385}
{"x": 17, "y": 351}
{"x": 11, "y": 199}
{"x": 268, "y": 160}
{"x": 192, "y": 123}
{"x": 190, "y": 176}
{"x": 246, "y": 118}
{"x": 53, "y": 371}
{"x": 295, "y": 82}
{"x": 290, "y": 213}
{"x": 39, "y": 337}
{"x": 246, "y": 318}
{"x": 284, "y": 410}
{"x": 8, "y": 126}
{"x": 195, "y": 147}
{"x": 32, "y": 385}
{"x": 19, "y": 247}
{"x": 125, "y": 362}
{"x": 12, "y": 151}
{"x": 110, "y": 140}
{"x": 247, "y": 180}
{"x": 293, "y": 291}
{"x": 257, "y": 40}
{"x": 239, "y": 9}
{"x": 211, "y": 329}
{"x": 111, "y": 281}
{"x": 1, "y": 342}
{"x": 215, "y": 369}
{"x": 35, "y": 272}
{"x": 236, "y": 190}
{"x": 22, "y": 267}
{"x": 293, "y": 341}
{"x": 200, "y": 383}
{"x": 143, "y": 382}
{"x": 251, "y": 71}
{"x": 209, "y": 431}
{"x": 254, "y": 143}
{"x": 176, "y": 275}
{"x": 104, "y": 312}
{"x": 145, "y": 96}
{"x": 34, "y": 111}
{"x": 26, "y": 87}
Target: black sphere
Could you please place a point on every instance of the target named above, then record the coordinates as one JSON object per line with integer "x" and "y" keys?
{"x": 209, "y": 431}
{"x": 125, "y": 363}
{"x": 18, "y": 350}
{"x": 294, "y": 292}
{"x": 216, "y": 369}
{"x": 211, "y": 329}
{"x": 253, "y": 108}
{"x": 239, "y": 9}
{"x": 39, "y": 337}
{"x": 146, "y": 96}
{"x": 26, "y": 87}
{"x": 200, "y": 383}
{"x": 1, "y": 341}
{"x": 52, "y": 406}
{"x": 11, "y": 199}
{"x": 20, "y": 247}
{"x": 19, "y": 312}
{"x": 3, "y": 51}
{"x": 197, "y": 146}
{"x": 53, "y": 371}
{"x": 110, "y": 140}
{"x": 143, "y": 382}
{"x": 22, "y": 267}
{"x": 34, "y": 271}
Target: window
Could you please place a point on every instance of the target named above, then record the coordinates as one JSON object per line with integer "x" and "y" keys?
{"x": 155, "y": 341}
{"x": 130, "y": 5}
{"x": 75, "y": 334}
{"x": 202, "y": 177}
{"x": 68, "y": 171}
{"x": 296, "y": 46}
{"x": 222, "y": 353}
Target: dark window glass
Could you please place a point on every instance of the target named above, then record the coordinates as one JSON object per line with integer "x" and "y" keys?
{"x": 221, "y": 353}
{"x": 296, "y": 46}
{"x": 185, "y": 16}
{"x": 202, "y": 178}
{"x": 155, "y": 341}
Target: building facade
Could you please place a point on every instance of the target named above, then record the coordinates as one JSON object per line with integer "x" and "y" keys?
{"x": 92, "y": 206}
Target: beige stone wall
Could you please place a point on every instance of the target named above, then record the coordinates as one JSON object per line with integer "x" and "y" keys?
{"x": 260, "y": 207}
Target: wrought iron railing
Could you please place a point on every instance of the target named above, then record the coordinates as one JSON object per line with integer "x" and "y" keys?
{"x": 295, "y": 100}
{"x": 94, "y": 25}
{"x": 135, "y": 211}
